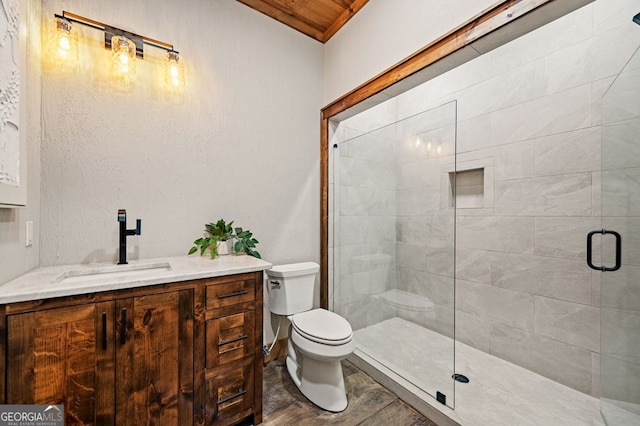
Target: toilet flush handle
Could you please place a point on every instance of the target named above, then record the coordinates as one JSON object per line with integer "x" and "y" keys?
{"x": 275, "y": 283}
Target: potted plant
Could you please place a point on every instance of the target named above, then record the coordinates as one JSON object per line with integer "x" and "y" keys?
{"x": 218, "y": 240}
{"x": 222, "y": 232}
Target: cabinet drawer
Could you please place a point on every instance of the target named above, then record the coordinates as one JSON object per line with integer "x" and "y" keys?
{"x": 230, "y": 293}
{"x": 230, "y": 393}
{"x": 230, "y": 338}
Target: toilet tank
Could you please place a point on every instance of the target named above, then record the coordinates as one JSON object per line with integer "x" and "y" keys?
{"x": 291, "y": 287}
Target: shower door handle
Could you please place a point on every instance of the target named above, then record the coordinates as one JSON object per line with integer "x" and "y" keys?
{"x": 618, "y": 250}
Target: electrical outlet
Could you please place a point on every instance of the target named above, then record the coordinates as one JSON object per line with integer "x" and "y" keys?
{"x": 29, "y": 234}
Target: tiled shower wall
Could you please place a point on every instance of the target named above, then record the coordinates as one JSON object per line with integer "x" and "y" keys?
{"x": 529, "y": 117}
{"x": 366, "y": 205}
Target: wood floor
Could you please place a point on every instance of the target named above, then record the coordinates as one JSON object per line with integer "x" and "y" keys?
{"x": 369, "y": 403}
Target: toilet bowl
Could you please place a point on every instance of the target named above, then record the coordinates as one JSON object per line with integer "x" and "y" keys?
{"x": 318, "y": 339}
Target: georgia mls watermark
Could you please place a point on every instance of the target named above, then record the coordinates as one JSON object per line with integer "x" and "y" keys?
{"x": 31, "y": 415}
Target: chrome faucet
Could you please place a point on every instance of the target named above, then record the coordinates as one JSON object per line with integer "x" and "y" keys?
{"x": 124, "y": 233}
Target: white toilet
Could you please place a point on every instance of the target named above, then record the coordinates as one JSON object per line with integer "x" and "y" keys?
{"x": 318, "y": 339}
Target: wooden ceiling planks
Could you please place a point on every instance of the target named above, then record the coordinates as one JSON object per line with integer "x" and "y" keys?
{"x": 319, "y": 19}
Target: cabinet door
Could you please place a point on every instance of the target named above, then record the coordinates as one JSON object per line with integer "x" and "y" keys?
{"x": 154, "y": 359}
{"x": 63, "y": 356}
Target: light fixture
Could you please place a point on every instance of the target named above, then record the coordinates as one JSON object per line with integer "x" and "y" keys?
{"x": 123, "y": 59}
{"x": 64, "y": 45}
{"x": 173, "y": 69}
{"x": 125, "y": 47}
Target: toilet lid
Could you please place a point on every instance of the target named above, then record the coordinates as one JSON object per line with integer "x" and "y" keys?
{"x": 322, "y": 326}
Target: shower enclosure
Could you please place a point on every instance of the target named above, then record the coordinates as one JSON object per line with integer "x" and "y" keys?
{"x": 463, "y": 211}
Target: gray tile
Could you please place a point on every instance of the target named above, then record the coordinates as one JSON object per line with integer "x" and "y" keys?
{"x": 563, "y": 236}
{"x": 508, "y": 234}
{"x": 621, "y": 289}
{"x": 513, "y": 308}
{"x": 568, "y": 322}
{"x": 473, "y": 330}
{"x": 621, "y": 334}
{"x": 616, "y": 187}
{"x": 563, "y": 195}
{"x": 564, "y": 279}
{"x": 619, "y": 379}
{"x": 564, "y": 363}
{"x": 569, "y": 152}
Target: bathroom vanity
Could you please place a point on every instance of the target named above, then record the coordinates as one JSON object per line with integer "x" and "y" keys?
{"x": 176, "y": 341}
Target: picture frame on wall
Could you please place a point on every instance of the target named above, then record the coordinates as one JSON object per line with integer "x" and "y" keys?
{"x": 12, "y": 143}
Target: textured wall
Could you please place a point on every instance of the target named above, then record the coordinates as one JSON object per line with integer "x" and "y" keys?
{"x": 15, "y": 257}
{"x": 241, "y": 143}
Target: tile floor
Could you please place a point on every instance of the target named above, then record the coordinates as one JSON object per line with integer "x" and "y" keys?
{"x": 369, "y": 403}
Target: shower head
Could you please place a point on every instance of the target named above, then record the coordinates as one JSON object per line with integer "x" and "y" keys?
{"x": 636, "y": 19}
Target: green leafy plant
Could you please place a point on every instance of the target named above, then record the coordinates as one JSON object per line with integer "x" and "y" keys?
{"x": 246, "y": 243}
{"x": 222, "y": 231}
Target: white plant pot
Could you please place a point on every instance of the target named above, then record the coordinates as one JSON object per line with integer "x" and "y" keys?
{"x": 225, "y": 247}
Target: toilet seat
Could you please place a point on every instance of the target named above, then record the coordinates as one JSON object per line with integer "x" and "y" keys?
{"x": 322, "y": 326}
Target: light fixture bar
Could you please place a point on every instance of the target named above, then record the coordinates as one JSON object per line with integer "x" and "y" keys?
{"x": 110, "y": 31}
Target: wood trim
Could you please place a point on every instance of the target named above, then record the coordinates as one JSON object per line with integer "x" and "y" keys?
{"x": 482, "y": 25}
{"x": 199, "y": 350}
{"x": 287, "y": 19}
{"x": 186, "y": 351}
{"x": 462, "y": 36}
{"x": 258, "y": 339}
{"x": 3, "y": 355}
{"x": 343, "y": 19}
{"x": 324, "y": 213}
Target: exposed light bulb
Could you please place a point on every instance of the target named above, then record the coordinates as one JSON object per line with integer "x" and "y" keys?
{"x": 123, "y": 59}
{"x": 174, "y": 70}
{"x": 64, "y": 46}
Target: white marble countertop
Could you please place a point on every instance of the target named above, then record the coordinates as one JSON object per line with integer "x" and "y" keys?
{"x": 68, "y": 280}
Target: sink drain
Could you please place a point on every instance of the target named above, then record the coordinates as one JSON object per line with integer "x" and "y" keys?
{"x": 460, "y": 378}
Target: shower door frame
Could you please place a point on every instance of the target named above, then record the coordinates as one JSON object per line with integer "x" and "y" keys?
{"x": 498, "y": 25}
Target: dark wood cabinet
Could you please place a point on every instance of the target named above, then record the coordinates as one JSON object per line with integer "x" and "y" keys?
{"x": 233, "y": 367}
{"x": 53, "y": 358}
{"x": 172, "y": 354}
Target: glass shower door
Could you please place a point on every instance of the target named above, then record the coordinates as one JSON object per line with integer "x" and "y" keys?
{"x": 620, "y": 307}
{"x": 393, "y": 244}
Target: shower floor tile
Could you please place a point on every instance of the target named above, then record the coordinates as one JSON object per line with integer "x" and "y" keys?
{"x": 499, "y": 393}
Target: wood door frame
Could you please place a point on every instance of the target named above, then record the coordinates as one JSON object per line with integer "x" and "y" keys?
{"x": 488, "y": 30}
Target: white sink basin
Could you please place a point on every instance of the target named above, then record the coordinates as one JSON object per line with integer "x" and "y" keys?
{"x": 114, "y": 273}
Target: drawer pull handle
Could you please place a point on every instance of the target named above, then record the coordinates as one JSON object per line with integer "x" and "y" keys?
{"x": 229, "y": 398}
{"x": 123, "y": 328}
{"x": 237, "y": 293}
{"x": 104, "y": 331}
{"x": 226, "y": 342}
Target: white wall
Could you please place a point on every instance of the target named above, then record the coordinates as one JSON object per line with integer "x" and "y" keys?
{"x": 385, "y": 32}
{"x": 15, "y": 257}
{"x": 242, "y": 144}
